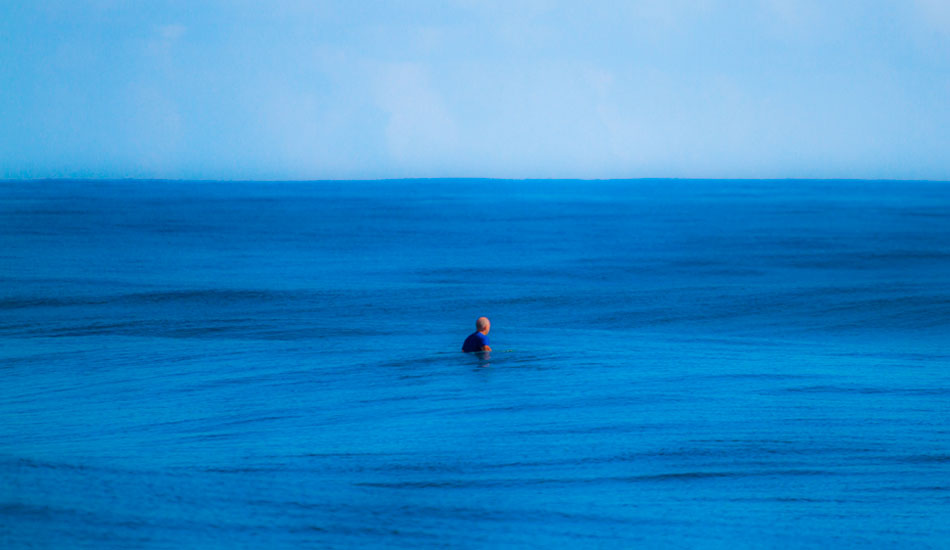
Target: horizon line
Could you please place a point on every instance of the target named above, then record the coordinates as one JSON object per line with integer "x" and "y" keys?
{"x": 450, "y": 178}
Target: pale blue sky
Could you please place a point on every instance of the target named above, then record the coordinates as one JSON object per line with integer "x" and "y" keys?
{"x": 234, "y": 89}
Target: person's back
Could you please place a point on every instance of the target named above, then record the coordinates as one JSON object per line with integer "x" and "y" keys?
{"x": 475, "y": 342}
{"x": 478, "y": 340}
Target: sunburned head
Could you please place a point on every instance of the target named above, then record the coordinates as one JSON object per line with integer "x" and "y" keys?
{"x": 483, "y": 325}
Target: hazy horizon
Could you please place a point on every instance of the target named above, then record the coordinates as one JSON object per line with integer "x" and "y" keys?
{"x": 458, "y": 179}
{"x": 539, "y": 89}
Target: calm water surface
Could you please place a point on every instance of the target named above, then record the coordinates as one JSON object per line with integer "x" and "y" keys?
{"x": 275, "y": 365}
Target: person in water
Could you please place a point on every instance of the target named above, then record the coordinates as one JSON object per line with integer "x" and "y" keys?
{"x": 478, "y": 340}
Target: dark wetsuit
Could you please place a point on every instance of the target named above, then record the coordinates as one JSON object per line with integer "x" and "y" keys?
{"x": 475, "y": 342}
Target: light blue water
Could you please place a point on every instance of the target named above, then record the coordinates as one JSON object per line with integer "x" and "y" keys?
{"x": 275, "y": 365}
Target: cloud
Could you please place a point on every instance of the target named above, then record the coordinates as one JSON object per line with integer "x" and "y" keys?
{"x": 291, "y": 126}
{"x": 794, "y": 13}
{"x": 419, "y": 125}
{"x": 669, "y": 13}
{"x": 171, "y": 32}
{"x": 935, "y": 12}
{"x": 153, "y": 131}
{"x": 162, "y": 43}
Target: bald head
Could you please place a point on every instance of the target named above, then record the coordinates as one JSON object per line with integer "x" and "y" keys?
{"x": 483, "y": 325}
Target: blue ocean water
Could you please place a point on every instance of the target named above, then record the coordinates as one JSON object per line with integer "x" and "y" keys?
{"x": 276, "y": 365}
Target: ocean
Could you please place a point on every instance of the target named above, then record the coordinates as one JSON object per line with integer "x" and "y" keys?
{"x": 675, "y": 364}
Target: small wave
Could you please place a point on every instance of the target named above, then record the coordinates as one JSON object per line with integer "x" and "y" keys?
{"x": 924, "y": 459}
{"x": 645, "y": 478}
{"x": 868, "y": 390}
{"x": 25, "y": 302}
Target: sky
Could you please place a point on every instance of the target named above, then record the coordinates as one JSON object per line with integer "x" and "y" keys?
{"x": 291, "y": 89}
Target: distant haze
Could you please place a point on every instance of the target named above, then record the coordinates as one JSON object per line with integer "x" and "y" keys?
{"x": 234, "y": 89}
